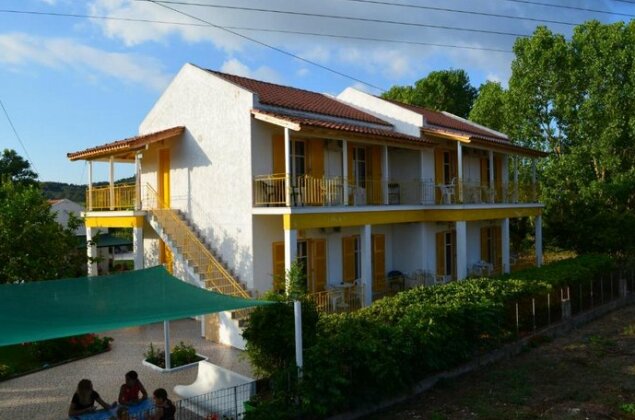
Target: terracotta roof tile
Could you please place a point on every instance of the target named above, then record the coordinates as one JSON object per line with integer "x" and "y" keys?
{"x": 438, "y": 119}
{"x": 122, "y": 146}
{"x": 299, "y": 99}
{"x": 347, "y": 127}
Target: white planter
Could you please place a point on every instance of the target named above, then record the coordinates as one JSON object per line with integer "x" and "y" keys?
{"x": 160, "y": 369}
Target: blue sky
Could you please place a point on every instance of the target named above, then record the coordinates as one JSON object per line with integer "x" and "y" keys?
{"x": 73, "y": 83}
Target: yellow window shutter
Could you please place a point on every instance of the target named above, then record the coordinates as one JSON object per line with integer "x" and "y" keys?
{"x": 379, "y": 262}
{"x": 440, "y": 253}
{"x": 348, "y": 258}
{"x": 349, "y": 156}
{"x": 373, "y": 185}
{"x": 316, "y": 156}
{"x": 278, "y": 266}
{"x": 317, "y": 264}
{"x": 484, "y": 248}
{"x": 484, "y": 173}
{"x": 498, "y": 247}
{"x": 278, "y": 154}
{"x": 453, "y": 244}
{"x": 498, "y": 175}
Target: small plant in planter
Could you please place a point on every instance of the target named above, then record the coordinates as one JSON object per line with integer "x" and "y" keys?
{"x": 182, "y": 354}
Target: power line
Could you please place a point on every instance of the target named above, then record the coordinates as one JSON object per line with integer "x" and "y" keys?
{"x": 252, "y": 29}
{"x": 560, "y": 6}
{"x": 466, "y": 12}
{"x": 164, "y": 3}
{"x": 264, "y": 44}
{"x": 17, "y": 136}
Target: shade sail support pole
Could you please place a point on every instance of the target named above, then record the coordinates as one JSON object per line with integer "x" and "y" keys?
{"x": 166, "y": 340}
{"x": 297, "y": 311}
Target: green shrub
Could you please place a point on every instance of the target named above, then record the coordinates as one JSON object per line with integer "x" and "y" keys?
{"x": 5, "y": 371}
{"x": 182, "y": 354}
{"x": 358, "y": 358}
{"x": 62, "y": 349}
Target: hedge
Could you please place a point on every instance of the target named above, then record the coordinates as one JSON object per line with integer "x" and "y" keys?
{"x": 384, "y": 349}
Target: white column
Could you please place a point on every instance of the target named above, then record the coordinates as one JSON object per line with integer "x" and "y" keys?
{"x": 366, "y": 264}
{"x": 459, "y": 160}
{"x": 91, "y": 251}
{"x": 111, "y": 177}
{"x": 89, "y": 199}
{"x": 385, "y": 173}
{"x": 166, "y": 343}
{"x": 290, "y": 253}
{"x": 345, "y": 171}
{"x": 538, "y": 240}
{"x": 461, "y": 250}
{"x": 287, "y": 167}
{"x": 505, "y": 245}
{"x": 516, "y": 179}
{"x": 137, "y": 164}
{"x": 137, "y": 247}
{"x": 297, "y": 311}
{"x": 534, "y": 196}
{"x": 491, "y": 168}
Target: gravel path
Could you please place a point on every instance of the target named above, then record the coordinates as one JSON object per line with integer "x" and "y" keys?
{"x": 47, "y": 394}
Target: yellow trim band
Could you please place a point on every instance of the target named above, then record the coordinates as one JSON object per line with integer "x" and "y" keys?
{"x": 318, "y": 220}
{"x": 114, "y": 221}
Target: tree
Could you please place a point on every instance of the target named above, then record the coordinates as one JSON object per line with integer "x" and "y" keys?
{"x": 33, "y": 246}
{"x": 14, "y": 168}
{"x": 490, "y": 107}
{"x": 576, "y": 99}
{"x": 444, "y": 90}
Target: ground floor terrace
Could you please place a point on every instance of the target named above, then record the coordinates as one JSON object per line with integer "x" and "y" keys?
{"x": 47, "y": 394}
{"x": 350, "y": 259}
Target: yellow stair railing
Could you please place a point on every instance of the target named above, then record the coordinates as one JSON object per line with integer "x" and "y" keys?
{"x": 215, "y": 276}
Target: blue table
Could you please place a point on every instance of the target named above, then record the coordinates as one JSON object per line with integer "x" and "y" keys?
{"x": 133, "y": 410}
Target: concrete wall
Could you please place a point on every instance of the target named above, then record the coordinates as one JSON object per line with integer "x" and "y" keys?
{"x": 211, "y": 165}
{"x": 62, "y": 208}
{"x": 266, "y": 230}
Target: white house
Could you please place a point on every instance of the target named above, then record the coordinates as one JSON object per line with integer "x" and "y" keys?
{"x": 238, "y": 178}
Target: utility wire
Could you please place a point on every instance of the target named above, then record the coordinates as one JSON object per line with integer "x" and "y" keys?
{"x": 264, "y": 44}
{"x": 165, "y": 3}
{"x": 465, "y": 12}
{"x": 561, "y": 6}
{"x": 252, "y": 29}
{"x": 17, "y": 136}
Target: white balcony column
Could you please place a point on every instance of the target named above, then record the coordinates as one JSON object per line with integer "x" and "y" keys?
{"x": 345, "y": 171}
{"x": 459, "y": 162}
{"x": 290, "y": 253}
{"x": 461, "y": 250}
{"x": 385, "y": 173}
{"x": 91, "y": 251}
{"x": 89, "y": 200}
{"x": 538, "y": 240}
{"x": 366, "y": 264}
{"x": 534, "y": 196}
{"x": 111, "y": 177}
{"x": 137, "y": 164}
{"x": 287, "y": 167}
{"x": 505, "y": 245}
{"x": 516, "y": 179}
{"x": 137, "y": 247}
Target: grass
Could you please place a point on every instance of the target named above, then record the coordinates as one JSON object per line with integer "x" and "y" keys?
{"x": 588, "y": 374}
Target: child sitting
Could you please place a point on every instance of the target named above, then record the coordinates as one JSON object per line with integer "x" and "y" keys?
{"x": 129, "y": 392}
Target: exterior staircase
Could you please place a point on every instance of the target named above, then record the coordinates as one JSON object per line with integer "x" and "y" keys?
{"x": 186, "y": 242}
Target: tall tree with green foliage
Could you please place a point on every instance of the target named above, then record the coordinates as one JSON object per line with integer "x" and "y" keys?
{"x": 444, "y": 90}
{"x": 490, "y": 108}
{"x": 576, "y": 99}
{"x": 15, "y": 168}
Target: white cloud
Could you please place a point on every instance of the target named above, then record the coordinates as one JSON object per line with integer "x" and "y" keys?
{"x": 235, "y": 66}
{"x": 302, "y": 72}
{"x": 318, "y": 53}
{"x": 18, "y": 50}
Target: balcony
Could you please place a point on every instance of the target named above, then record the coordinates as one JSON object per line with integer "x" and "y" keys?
{"x": 116, "y": 198}
{"x": 276, "y": 191}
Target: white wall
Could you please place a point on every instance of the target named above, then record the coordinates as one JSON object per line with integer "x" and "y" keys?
{"x": 404, "y": 120}
{"x": 408, "y": 247}
{"x": 211, "y": 169}
{"x": 472, "y": 169}
{"x": 473, "y": 243}
{"x": 62, "y": 208}
{"x": 266, "y": 230}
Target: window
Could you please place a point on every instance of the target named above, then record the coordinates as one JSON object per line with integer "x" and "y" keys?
{"x": 449, "y": 254}
{"x": 358, "y": 258}
{"x": 302, "y": 259}
{"x": 298, "y": 157}
{"x": 447, "y": 168}
{"x": 359, "y": 157}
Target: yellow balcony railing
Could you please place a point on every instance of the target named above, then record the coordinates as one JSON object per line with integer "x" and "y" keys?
{"x": 119, "y": 197}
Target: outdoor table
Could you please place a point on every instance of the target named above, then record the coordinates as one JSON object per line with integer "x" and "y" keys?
{"x": 133, "y": 410}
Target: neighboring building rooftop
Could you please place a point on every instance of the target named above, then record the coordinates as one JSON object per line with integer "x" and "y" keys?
{"x": 300, "y": 99}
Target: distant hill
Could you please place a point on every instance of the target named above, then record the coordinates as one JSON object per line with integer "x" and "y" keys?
{"x": 73, "y": 192}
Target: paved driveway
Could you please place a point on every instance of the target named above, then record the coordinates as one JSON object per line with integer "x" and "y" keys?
{"x": 47, "y": 394}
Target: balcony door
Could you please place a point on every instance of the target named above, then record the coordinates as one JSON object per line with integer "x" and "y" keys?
{"x": 446, "y": 253}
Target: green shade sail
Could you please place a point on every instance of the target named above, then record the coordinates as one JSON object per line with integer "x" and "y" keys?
{"x": 61, "y": 308}
{"x": 105, "y": 240}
